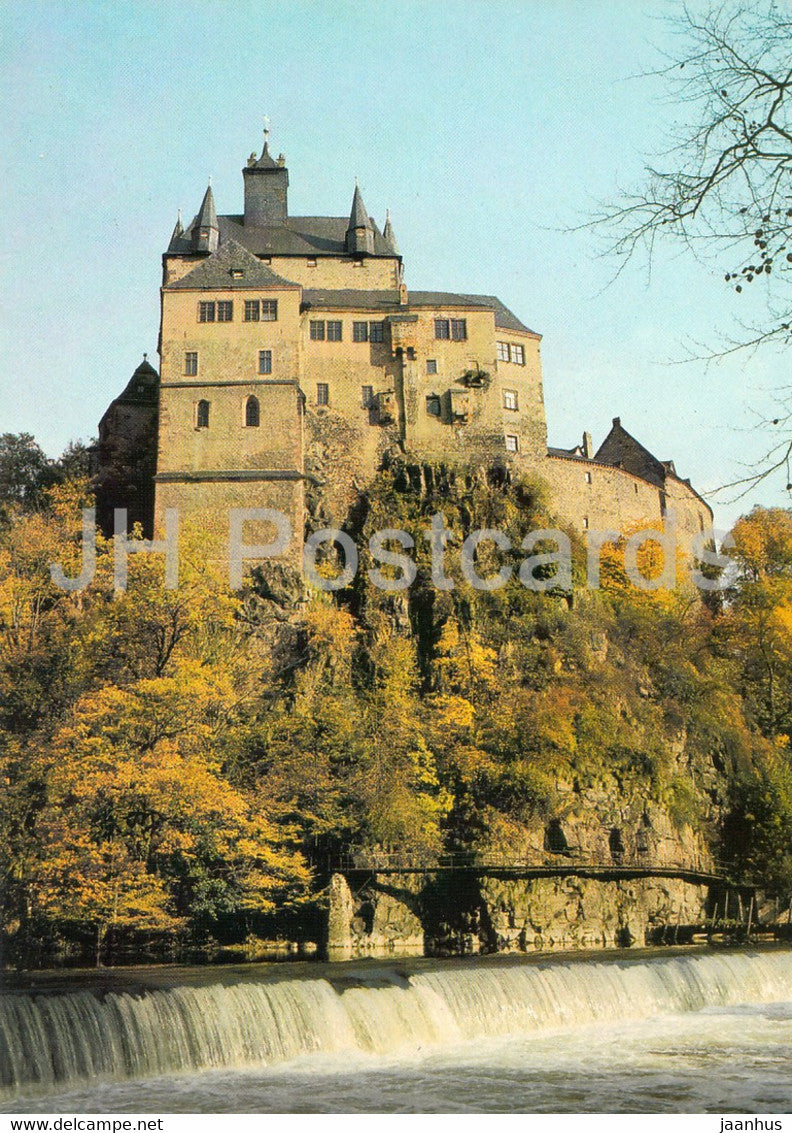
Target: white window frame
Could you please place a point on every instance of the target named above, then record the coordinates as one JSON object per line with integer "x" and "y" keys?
{"x": 510, "y": 395}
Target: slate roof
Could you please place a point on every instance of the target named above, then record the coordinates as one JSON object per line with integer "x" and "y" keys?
{"x": 296, "y": 236}
{"x": 389, "y": 301}
{"x": 351, "y": 300}
{"x": 358, "y": 217}
{"x": 388, "y": 235}
{"x": 216, "y": 272}
{"x": 141, "y": 389}
{"x": 266, "y": 161}
{"x": 504, "y": 318}
{"x": 569, "y": 454}
{"x": 207, "y": 215}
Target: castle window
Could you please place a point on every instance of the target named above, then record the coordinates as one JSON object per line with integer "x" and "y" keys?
{"x": 442, "y": 328}
{"x": 431, "y": 365}
{"x": 585, "y": 522}
{"x": 360, "y": 332}
{"x": 317, "y": 330}
{"x": 636, "y": 488}
{"x": 376, "y": 330}
{"x": 191, "y": 363}
{"x": 312, "y": 261}
{"x": 503, "y": 352}
{"x": 517, "y": 353}
{"x": 512, "y": 443}
{"x": 322, "y": 393}
{"x": 433, "y": 406}
{"x": 510, "y": 399}
{"x": 225, "y": 311}
{"x": 367, "y": 397}
{"x": 252, "y": 413}
{"x": 588, "y": 477}
{"x": 206, "y": 312}
{"x": 269, "y": 310}
{"x": 333, "y": 330}
{"x": 252, "y": 310}
{"x": 701, "y": 522}
{"x": 265, "y": 362}
{"x": 202, "y": 415}
{"x": 459, "y": 329}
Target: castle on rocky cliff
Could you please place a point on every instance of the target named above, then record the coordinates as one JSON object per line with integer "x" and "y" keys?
{"x": 294, "y": 359}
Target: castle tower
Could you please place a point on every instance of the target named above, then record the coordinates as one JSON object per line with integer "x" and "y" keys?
{"x": 360, "y": 234}
{"x": 266, "y": 188}
{"x": 205, "y": 234}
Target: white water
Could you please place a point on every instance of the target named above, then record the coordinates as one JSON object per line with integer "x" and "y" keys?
{"x": 293, "y": 1027}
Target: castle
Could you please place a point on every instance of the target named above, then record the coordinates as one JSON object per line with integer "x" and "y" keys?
{"x": 294, "y": 359}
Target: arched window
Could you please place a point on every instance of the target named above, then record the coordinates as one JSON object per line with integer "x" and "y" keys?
{"x": 202, "y": 415}
{"x": 252, "y": 413}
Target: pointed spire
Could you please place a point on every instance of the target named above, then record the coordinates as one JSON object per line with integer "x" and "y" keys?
{"x": 205, "y": 233}
{"x": 360, "y": 233}
{"x": 358, "y": 217}
{"x": 266, "y": 161}
{"x": 207, "y": 215}
{"x": 177, "y": 233}
{"x": 388, "y": 236}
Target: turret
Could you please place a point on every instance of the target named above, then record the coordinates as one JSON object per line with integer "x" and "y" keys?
{"x": 204, "y": 234}
{"x": 360, "y": 234}
{"x": 388, "y": 236}
{"x": 266, "y": 188}
{"x": 177, "y": 234}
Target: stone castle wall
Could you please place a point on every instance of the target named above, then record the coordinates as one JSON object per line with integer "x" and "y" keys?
{"x": 594, "y": 496}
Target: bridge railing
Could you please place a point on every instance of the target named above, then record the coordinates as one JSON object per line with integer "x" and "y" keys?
{"x": 392, "y": 861}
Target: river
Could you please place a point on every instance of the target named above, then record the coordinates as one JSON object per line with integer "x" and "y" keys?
{"x": 697, "y": 1032}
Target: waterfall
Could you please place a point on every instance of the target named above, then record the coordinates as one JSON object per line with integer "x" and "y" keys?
{"x": 47, "y": 1038}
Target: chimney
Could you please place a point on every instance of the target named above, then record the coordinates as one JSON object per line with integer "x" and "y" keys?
{"x": 587, "y": 446}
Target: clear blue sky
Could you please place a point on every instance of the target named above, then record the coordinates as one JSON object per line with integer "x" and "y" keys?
{"x": 490, "y": 129}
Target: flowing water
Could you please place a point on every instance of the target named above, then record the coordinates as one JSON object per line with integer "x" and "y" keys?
{"x": 709, "y": 1031}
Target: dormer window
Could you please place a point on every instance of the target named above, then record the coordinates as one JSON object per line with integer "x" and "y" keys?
{"x": 237, "y": 273}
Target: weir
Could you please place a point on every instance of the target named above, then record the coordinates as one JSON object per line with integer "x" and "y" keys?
{"x": 52, "y": 1039}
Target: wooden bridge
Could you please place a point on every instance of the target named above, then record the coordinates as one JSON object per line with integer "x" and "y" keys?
{"x": 613, "y": 866}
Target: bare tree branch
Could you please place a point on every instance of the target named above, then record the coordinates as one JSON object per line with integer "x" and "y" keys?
{"x": 724, "y": 188}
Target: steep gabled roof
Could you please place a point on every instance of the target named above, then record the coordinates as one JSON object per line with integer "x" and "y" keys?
{"x": 621, "y": 449}
{"x": 221, "y": 272}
